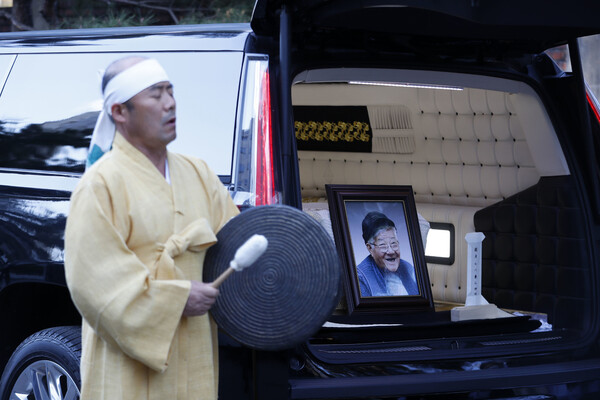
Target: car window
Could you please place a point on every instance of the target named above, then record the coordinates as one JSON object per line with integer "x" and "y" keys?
{"x": 590, "y": 58}
{"x": 589, "y": 48}
{"x": 561, "y": 57}
{"x": 6, "y": 61}
{"x": 50, "y": 103}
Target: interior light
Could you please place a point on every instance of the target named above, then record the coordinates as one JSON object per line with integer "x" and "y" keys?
{"x": 438, "y": 243}
{"x": 407, "y": 85}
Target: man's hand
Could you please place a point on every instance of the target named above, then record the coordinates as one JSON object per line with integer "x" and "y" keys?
{"x": 202, "y": 297}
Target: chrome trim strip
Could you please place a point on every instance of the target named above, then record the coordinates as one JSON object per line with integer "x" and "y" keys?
{"x": 39, "y": 181}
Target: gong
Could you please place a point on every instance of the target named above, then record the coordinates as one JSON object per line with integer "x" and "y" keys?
{"x": 291, "y": 289}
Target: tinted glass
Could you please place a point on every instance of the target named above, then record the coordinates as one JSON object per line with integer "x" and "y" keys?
{"x": 561, "y": 57}
{"x": 51, "y": 102}
{"x": 6, "y": 61}
{"x": 590, "y": 58}
{"x": 589, "y": 48}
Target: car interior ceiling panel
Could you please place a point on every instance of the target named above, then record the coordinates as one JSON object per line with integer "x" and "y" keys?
{"x": 467, "y": 154}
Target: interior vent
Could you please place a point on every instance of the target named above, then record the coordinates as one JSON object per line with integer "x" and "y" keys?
{"x": 393, "y": 144}
{"x": 392, "y": 129}
{"x": 390, "y": 117}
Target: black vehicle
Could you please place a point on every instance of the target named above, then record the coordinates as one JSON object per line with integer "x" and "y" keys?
{"x": 462, "y": 104}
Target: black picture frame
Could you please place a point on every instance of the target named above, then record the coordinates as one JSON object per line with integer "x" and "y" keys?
{"x": 348, "y": 205}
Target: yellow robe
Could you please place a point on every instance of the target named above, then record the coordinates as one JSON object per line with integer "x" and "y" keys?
{"x": 132, "y": 244}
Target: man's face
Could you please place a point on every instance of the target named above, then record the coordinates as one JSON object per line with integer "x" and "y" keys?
{"x": 151, "y": 119}
{"x": 385, "y": 250}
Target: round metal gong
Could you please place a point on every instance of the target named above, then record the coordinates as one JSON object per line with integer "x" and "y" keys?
{"x": 289, "y": 292}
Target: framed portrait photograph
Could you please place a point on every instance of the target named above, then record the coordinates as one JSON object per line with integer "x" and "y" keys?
{"x": 377, "y": 235}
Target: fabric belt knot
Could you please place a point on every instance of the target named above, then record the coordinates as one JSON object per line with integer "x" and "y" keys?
{"x": 195, "y": 237}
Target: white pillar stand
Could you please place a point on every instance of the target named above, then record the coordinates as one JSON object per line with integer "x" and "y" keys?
{"x": 476, "y": 306}
{"x": 474, "y": 297}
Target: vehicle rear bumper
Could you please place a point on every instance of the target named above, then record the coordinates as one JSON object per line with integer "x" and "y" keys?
{"x": 446, "y": 382}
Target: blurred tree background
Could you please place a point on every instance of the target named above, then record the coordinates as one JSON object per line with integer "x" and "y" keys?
{"x": 67, "y": 14}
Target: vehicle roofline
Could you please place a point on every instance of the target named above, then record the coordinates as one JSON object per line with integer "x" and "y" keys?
{"x": 207, "y": 37}
{"x": 112, "y": 32}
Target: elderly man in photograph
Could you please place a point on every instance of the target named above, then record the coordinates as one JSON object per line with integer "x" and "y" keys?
{"x": 383, "y": 272}
{"x": 140, "y": 222}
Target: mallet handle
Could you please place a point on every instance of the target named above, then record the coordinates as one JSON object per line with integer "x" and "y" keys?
{"x": 222, "y": 277}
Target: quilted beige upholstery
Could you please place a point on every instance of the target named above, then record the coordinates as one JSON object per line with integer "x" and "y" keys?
{"x": 459, "y": 150}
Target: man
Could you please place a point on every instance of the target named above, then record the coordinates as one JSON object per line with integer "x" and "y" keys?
{"x": 140, "y": 221}
{"x": 383, "y": 272}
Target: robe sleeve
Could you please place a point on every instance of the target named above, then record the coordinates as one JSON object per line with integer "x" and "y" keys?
{"x": 112, "y": 288}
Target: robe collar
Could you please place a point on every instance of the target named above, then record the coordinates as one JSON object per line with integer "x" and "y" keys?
{"x": 148, "y": 169}
{"x": 121, "y": 144}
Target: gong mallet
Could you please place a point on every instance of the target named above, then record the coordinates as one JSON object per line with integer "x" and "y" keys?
{"x": 245, "y": 256}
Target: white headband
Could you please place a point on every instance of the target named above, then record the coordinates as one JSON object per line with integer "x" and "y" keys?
{"x": 119, "y": 89}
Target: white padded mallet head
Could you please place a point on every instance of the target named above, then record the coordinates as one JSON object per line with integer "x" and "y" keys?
{"x": 249, "y": 252}
{"x": 244, "y": 257}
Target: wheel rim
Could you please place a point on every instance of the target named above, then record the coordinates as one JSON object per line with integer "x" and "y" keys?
{"x": 44, "y": 380}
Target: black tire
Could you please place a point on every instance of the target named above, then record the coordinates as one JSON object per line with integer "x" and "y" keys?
{"x": 44, "y": 366}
